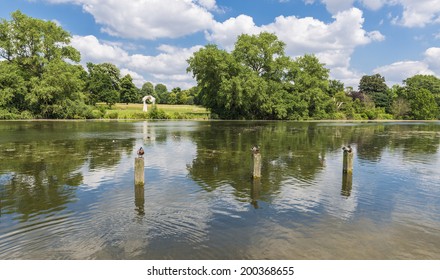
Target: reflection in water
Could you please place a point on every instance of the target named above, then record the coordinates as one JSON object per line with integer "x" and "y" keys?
{"x": 255, "y": 192}
{"x": 347, "y": 182}
{"x": 139, "y": 199}
{"x": 67, "y": 191}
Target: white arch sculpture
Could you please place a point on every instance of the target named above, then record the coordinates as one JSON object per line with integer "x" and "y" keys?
{"x": 149, "y": 98}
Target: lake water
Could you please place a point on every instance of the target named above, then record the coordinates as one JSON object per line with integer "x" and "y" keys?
{"x": 67, "y": 190}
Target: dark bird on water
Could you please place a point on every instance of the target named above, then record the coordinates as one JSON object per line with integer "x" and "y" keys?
{"x": 348, "y": 149}
{"x": 140, "y": 152}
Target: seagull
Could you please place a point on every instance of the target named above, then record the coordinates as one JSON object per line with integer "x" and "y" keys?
{"x": 348, "y": 149}
{"x": 140, "y": 152}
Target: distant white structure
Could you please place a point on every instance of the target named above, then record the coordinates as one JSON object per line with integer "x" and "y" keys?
{"x": 150, "y": 99}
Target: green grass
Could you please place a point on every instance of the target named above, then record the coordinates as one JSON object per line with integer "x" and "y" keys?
{"x": 134, "y": 111}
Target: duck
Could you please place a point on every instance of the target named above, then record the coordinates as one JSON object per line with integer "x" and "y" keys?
{"x": 141, "y": 152}
{"x": 255, "y": 149}
{"x": 348, "y": 149}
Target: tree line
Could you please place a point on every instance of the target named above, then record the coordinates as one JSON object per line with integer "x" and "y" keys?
{"x": 256, "y": 80}
{"x": 40, "y": 77}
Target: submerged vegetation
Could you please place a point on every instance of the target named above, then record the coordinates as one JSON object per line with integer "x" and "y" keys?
{"x": 40, "y": 78}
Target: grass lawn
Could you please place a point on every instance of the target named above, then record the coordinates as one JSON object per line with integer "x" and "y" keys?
{"x": 132, "y": 111}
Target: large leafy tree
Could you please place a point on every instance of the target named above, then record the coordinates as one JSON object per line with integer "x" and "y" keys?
{"x": 129, "y": 92}
{"x": 103, "y": 83}
{"x": 161, "y": 92}
{"x": 258, "y": 81}
{"x": 423, "y": 95}
{"x": 36, "y": 74}
{"x": 375, "y": 87}
{"x": 33, "y": 43}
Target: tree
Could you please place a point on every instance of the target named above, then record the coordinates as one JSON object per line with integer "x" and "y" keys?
{"x": 377, "y": 89}
{"x": 33, "y": 43}
{"x": 129, "y": 92}
{"x": 35, "y": 75}
{"x": 12, "y": 87}
{"x": 59, "y": 93}
{"x": 162, "y": 93}
{"x": 103, "y": 83}
{"x": 421, "y": 92}
{"x": 148, "y": 89}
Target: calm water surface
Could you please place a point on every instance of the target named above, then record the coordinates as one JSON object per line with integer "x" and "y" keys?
{"x": 67, "y": 191}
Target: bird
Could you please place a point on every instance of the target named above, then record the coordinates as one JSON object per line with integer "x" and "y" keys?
{"x": 255, "y": 149}
{"x": 348, "y": 149}
{"x": 140, "y": 152}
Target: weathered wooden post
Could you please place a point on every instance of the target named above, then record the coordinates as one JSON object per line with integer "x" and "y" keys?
{"x": 257, "y": 162}
{"x": 347, "y": 163}
{"x": 139, "y": 178}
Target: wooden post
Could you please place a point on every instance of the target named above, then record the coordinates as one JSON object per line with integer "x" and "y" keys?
{"x": 347, "y": 163}
{"x": 139, "y": 171}
{"x": 257, "y": 164}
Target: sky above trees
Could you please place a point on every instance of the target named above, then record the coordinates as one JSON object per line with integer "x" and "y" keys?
{"x": 151, "y": 39}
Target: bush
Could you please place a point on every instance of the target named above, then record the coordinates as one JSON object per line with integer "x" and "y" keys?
{"x": 157, "y": 114}
{"x": 111, "y": 115}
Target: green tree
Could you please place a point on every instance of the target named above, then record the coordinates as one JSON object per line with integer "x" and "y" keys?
{"x": 12, "y": 88}
{"x": 36, "y": 77}
{"x": 375, "y": 87}
{"x": 162, "y": 93}
{"x": 103, "y": 83}
{"x": 148, "y": 89}
{"x": 59, "y": 93}
{"x": 129, "y": 92}
{"x": 428, "y": 82}
{"x": 33, "y": 43}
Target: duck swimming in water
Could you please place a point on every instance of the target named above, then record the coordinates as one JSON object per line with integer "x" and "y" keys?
{"x": 141, "y": 152}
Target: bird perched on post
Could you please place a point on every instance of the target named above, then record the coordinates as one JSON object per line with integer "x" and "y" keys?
{"x": 141, "y": 152}
{"x": 255, "y": 149}
{"x": 348, "y": 149}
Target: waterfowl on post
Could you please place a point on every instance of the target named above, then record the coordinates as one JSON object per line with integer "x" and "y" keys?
{"x": 255, "y": 149}
{"x": 348, "y": 149}
{"x": 141, "y": 152}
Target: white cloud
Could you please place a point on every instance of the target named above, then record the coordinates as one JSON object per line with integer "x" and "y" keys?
{"x": 168, "y": 67}
{"x": 396, "y": 72}
{"x": 418, "y": 13}
{"x": 149, "y": 19}
{"x": 94, "y": 51}
{"x": 374, "y": 4}
{"x": 432, "y": 58}
{"x": 333, "y": 43}
{"x": 225, "y": 34}
{"x": 138, "y": 79}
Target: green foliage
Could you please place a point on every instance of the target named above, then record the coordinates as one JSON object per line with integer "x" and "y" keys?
{"x": 129, "y": 93}
{"x": 157, "y": 114}
{"x": 103, "y": 83}
{"x": 375, "y": 87}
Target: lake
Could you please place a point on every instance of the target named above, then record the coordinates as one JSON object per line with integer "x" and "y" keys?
{"x": 67, "y": 190}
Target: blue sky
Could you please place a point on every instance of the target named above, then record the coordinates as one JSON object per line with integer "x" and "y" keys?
{"x": 151, "y": 39}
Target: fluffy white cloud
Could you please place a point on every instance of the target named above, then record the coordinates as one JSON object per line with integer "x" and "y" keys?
{"x": 225, "y": 34}
{"x": 418, "y": 13}
{"x": 94, "y": 51}
{"x": 333, "y": 43}
{"x": 149, "y": 19}
{"x": 138, "y": 79}
{"x": 396, "y": 72}
{"x": 168, "y": 67}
